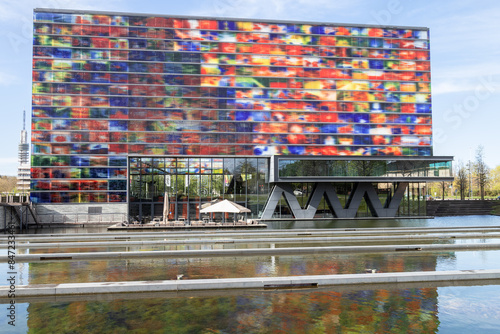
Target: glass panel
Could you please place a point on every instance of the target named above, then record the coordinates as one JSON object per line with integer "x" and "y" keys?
{"x": 362, "y": 168}
{"x": 194, "y": 166}
{"x": 181, "y": 182}
{"x": 205, "y": 188}
{"x": 123, "y": 85}
{"x": 251, "y": 176}
{"x": 193, "y": 187}
{"x": 182, "y": 166}
{"x": 217, "y": 186}
{"x": 228, "y": 166}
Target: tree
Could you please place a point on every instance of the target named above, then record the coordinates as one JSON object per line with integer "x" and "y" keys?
{"x": 8, "y": 183}
{"x": 461, "y": 179}
{"x": 494, "y": 183}
{"x": 481, "y": 170}
{"x": 444, "y": 186}
{"x": 436, "y": 188}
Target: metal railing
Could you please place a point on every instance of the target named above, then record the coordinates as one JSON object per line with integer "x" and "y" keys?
{"x": 10, "y": 198}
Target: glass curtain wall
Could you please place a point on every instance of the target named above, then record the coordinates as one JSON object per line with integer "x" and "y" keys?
{"x": 412, "y": 204}
{"x": 192, "y": 183}
{"x": 107, "y": 86}
{"x": 365, "y": 167}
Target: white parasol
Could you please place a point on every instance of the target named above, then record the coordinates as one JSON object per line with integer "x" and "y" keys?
{"x": 225, "y": 206}
{"x": 166, "y": 208}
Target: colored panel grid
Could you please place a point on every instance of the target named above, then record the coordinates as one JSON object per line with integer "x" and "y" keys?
{"x": 112, "y": 85}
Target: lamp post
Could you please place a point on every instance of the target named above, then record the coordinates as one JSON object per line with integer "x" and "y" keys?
{"x": 470, "y": 174}
{"x": 470, "y": 183}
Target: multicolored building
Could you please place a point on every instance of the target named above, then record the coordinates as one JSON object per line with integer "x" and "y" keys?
{"x": 129, "y": 108}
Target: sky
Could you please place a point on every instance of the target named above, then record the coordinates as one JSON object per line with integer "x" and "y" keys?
{"x": 464, "y": 42}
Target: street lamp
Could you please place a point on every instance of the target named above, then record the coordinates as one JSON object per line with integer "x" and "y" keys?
{"x": 470, "y": 174}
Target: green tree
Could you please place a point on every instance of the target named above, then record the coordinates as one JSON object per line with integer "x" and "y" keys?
{"x": 461, "y": 179}
{"x": 8, "y": 183}
{"x": 481, "y": 170}
{"x": 444, "y": 185}
{"x": 494, "y": 184}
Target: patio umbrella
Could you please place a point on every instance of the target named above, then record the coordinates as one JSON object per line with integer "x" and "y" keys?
{"x": 206, "y": 205}
{"x": 225, "y": 206}
{"x": 166, "y": 208}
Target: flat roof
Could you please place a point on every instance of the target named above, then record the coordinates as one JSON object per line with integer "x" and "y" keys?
{"x": 366, "y": 157}
{"x": 82, "y": 11}
{"x": 305, "y": 157}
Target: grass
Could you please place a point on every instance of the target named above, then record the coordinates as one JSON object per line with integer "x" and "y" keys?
{"x": 496, "y": 209}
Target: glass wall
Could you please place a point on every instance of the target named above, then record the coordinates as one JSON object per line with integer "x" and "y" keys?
{"x": 289, "y": 168}
{"x": 192, "y": 183}
{"x": 107, "y": 86}
{"x": 412, "y": 204}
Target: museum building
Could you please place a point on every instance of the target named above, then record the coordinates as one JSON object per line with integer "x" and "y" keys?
{"x": 293, "y": 120}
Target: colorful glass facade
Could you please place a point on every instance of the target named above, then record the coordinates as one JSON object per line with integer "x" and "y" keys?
{"x": 108, "y": 86}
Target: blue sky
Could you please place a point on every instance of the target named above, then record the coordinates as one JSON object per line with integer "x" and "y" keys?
{"x": 465, "y": 53}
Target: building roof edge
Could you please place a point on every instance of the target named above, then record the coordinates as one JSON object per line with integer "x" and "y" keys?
{"x": 83, "y": 11}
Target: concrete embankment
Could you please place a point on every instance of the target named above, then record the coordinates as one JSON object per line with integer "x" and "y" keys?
{"x": 56, "y": 257}
{"x": 213, "y": 242}
{"x": 54, "y": 238}
{"x": 445, "y": 208}
{"x": 289, "y": 282}
{"x": 225, "y": 244}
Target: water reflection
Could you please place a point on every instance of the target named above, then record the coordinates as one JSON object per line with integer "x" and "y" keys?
{"x": 361, "y": 223}
{"x": 370, "y": 223}
{"x": 230, "y": 267}
{"x": 411, "y": 310}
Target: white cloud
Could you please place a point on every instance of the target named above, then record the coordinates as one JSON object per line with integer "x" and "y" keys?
{"x": 446, "y": 87}
{"x": 482, "y": 85}
{"x": 466, "y": 70}
{"x": 482, "y": 76}
{"x": 463, "y": 48}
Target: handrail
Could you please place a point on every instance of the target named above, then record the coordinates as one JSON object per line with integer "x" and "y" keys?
{"x": 11, "y": 198}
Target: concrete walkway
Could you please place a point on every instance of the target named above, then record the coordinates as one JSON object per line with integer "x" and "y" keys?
{"x": 288, "y": 282}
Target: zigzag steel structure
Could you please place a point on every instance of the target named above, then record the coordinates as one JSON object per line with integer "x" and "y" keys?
{"x": 366, "y": 177}
{"x": 361, "y": 190}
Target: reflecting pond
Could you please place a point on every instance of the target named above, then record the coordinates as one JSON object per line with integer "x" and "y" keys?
{"x": 416, "y": 308}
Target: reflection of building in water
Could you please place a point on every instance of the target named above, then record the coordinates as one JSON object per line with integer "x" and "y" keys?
{"x": 322, "y": 311}
{"x": 341, "y": 309}
{"x": 210, "y": 268}
{"x": 338, "y": 309}
{"x": 296, "y": 120}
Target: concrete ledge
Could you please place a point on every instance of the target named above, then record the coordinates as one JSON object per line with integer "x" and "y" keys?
{"x": 301, "y": 238}
{"x": 250, "y": 282}
{"x": 217, "y": 233}
{"x": 342, "y": 219}
{"x": 238, "y": 292}
{"x": 53, "y": 257}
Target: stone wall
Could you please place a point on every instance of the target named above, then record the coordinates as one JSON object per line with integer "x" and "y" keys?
{"x": 81, "y": 213}
{"x": 459, "y": 208}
